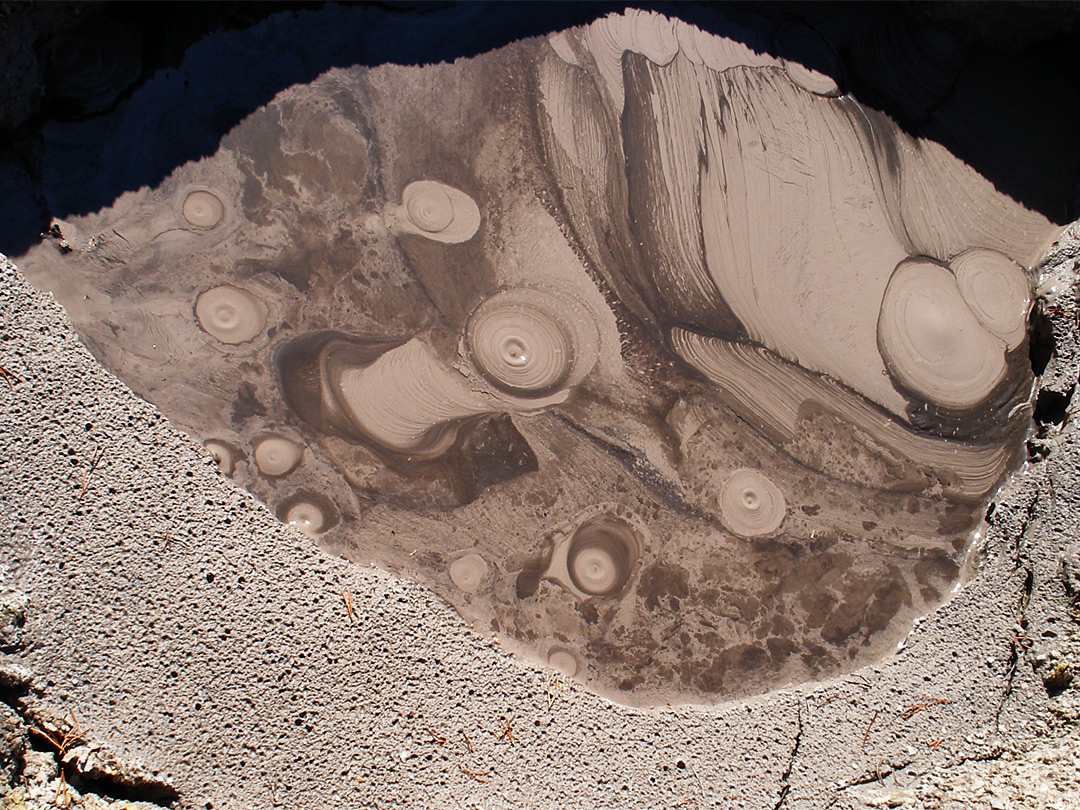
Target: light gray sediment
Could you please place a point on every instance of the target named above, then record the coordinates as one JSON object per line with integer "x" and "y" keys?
{"x": 190, "y": 631}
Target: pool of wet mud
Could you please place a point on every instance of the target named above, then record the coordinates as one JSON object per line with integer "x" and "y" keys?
{"x": 684, "y": 360}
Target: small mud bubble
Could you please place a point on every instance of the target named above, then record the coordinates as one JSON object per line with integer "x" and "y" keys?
{"x": 202, "y": 209}
{"x": 468, "y": 572}
{"x": 230, "y": 314}
{"x": 276, "y": 456}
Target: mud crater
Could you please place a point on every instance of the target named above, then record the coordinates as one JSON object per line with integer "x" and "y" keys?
{"x": 650, "y": 349}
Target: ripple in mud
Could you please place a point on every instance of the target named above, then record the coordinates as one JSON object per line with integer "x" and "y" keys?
{"x": 642, "y": 346}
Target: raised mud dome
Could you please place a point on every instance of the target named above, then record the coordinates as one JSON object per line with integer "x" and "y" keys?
{"x": 685, "y": 361}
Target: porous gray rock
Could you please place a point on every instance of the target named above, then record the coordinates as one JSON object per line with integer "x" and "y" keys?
{"x": 12, "y": 745}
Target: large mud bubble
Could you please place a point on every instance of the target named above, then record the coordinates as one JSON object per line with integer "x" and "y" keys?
{"x": 653, "y": 350}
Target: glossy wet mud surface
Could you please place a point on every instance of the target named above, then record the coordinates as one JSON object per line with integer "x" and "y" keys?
{"x": 652, "y": 350}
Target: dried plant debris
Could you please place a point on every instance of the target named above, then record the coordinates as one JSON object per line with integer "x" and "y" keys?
{"x": 646, "y": 347}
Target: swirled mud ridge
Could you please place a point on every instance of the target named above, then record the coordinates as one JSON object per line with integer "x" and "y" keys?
{"x": 653, "y": 350}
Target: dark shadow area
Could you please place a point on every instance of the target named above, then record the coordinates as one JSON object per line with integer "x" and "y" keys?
{"x": 898, "y": 58}
{"x": 1051, "y": 407}
{"x": 1041, "y": 343}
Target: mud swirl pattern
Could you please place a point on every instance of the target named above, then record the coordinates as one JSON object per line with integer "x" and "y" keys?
{"x": 530, "y": 342}
{"x": 685, "y": 360}
{"x": 751, "y": 504}
{"x": 230, "y": 314}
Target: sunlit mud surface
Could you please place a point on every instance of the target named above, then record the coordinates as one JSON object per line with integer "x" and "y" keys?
{"x": 652, "y": 350}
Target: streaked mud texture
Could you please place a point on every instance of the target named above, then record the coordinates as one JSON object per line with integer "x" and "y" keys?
{"x": 654, "y": 351}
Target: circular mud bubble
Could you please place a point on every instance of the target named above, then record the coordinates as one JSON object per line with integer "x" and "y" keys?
{"x": 230, "y": 314}
{"x": 225, "y": 454}
{"x": 564, "y": 661}
{"x": 202, "y": 209}
{"x": 997, "y": 290}
{"x": 932, "y": 342}
{"x": 430, "y": 209}
{"x": 309, "y": 512}
{"x": 435, "y": 211}
{"x": 601, "y": 556}
{"x": 752, "y": 505}
{"x": 468, "y": 572}
{"x": 276, "y": 456}
{"x": 532, "y": 343}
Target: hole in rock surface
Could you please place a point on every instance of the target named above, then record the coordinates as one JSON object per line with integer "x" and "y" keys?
{"x": 687, "y": 359}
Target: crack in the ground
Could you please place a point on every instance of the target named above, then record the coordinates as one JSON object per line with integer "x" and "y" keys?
{"x": 1025, "y": 519}
{"x": 1015, "y": 649}
{"x": 880, "y": 775}
{"x": 1010, "y": 677}
{"x": 79, "y": 762}
{"x": 786, "y": 775}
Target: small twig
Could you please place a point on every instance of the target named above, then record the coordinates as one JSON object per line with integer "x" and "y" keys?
{"x": 870, "y": 725}
{"x": 915, "y": 708}
{"x": 468, "y": 742}
{"x": 864, "y": 681}
{"x": 935, "y": 743}
{"x": 94, "y": 462}
{"x": 507, "y": 729}
{"x": 435, "y": 738}
{"x": 1023, "y": 641}
{"x": 62, "y": 741}
{"x": 45, "y": 735}
{"x": 911, "y": 711}
{"x": 346, "y": 597}
{"x": 62, "y": 787}
{"x": 685, "y": 801}
{"x": 477, "y": 775}
{"x": 8, "y": 376}
{"x": 555, "y": 685}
